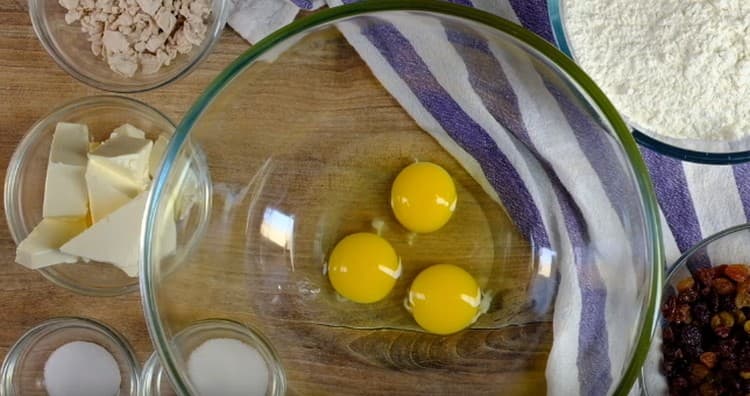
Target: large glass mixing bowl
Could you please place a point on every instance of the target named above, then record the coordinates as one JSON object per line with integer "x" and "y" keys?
{"x": 296, "y": 145}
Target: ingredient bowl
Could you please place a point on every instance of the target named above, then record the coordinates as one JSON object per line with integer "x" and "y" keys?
{"x": 25, "y": 182}
{"x": 154, "y": 381}
{"x": 72, "y": 50}
{"x": 728, "y": 247}
{"x": 30, "y": 368}
{"x": 725, "y": 151}
{"x": 300, "y": 145}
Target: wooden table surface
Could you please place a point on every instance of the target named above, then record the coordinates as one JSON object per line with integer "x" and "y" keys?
{"x": 31, "y": 85}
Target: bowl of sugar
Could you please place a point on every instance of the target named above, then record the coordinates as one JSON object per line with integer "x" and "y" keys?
{"x": 224, "y": 357}
{"x": 70, "y": 357}
{"x": 677, "y": 71}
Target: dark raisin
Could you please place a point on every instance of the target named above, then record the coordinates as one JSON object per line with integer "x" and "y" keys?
{"x": 679, "y": 383}
{"x": 691, "y": 335}
{"x": 688, "y": 296}
{"x": 729, "y": 364}
{"x": 705, "y": 276}
{"x": 727, "y": 303}
{"x": 713, "y": 302}
{"x": 726, "y": 347}
{"x": 667, "y": 334}
{"x": 701, "y": 315}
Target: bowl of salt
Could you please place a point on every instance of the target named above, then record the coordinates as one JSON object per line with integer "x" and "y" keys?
{"x": 70, "y": 357}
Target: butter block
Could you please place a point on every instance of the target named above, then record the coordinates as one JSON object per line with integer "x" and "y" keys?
{"x": 41, "y": 248}
{"x": 127, "y": 157}
{"x": 115, "y": 239}
{"x": 128, "y": 130}
{"x": 70, "y": 144}
{"x": 157, "y": 154}
{"x": 107, "y": 191}
{"x": 65, "y": 185}
{"x": 65, "y": 191}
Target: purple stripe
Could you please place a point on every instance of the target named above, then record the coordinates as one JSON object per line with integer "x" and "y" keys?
{"x": 742, "y": 179}
{"x": 465, "y": 3}
{"x": 673, "y": 195}
{"x": 533, "y": 16}
{"x": 487, "y": 78}
{"x": 304, "y": 4}
{"x": 498, "y": 170}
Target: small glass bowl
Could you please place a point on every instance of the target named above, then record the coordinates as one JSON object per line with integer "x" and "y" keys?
{"x": 22, "y": 372}
{"x": 69, "y": 47}
{"x": 25, "y": 178}
{"x": 155, "y": 382}
{"x": 730, "y": 246}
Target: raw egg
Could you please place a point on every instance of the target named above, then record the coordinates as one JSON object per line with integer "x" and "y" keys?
{"x": 444, "y": 299}
{"x": 423, "y": 197}
{"x": 363, "y": 267}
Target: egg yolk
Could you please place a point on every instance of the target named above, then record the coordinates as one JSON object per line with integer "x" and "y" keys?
{"x": 363, "y": 267}
{"x": 444, "y": 299}
{"x": 423, "y": 197}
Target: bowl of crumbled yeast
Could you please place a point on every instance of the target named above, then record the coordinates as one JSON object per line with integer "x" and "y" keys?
{"x": 128, "y": 45}
{"x": 678, "y": 71}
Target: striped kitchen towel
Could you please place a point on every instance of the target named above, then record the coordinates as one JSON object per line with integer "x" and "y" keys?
{"x": 465, "y": 106}
{"x": 550, "y": 169}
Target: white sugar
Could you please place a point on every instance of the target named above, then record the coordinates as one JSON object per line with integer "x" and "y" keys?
{"x": 228, "y": 367}
{"x": 81, "y": 369}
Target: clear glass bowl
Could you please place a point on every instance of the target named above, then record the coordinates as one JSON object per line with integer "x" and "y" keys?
{"x": 299, "y": 146}
{"x": 731, "y": 246}
{"x": 699, "y": 151}
{"x": 27, "y": 170}
{"x": 69, "y": 47}
{"x": 22, "y": 372}
{"x": 154, "y": 382}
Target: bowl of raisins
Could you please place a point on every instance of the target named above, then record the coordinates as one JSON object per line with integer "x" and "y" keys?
{"x": 705, "y": 321}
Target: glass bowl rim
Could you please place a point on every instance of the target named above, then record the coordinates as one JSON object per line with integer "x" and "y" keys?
{"x": 32, "y": 134}
{"x": 682, "y": 261}
{"x": 43, "y": 35}
{"x": 148, "y": 285}
{"x": 555, "y": 16}
{"x": 43, "y": 329}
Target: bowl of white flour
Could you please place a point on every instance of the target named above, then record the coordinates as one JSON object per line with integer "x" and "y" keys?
{"x": 678, "y": 71}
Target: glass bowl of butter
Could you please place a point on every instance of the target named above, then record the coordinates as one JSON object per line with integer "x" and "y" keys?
{"x": 76, "y": 189}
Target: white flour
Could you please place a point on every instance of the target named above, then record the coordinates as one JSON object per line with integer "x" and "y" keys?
{"x": 679, "y": 68}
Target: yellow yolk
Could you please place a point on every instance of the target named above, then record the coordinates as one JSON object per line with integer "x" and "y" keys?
{"x": 423, "y": 197}
{"x": 444, "y": 299}
{"x": 363, "y": 267}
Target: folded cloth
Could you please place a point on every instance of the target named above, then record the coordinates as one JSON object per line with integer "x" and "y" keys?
{"x": 426, "y": 70}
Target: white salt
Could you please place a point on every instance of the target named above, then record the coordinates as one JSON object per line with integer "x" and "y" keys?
{"x": 81, "y": 369}
{"x": 228, "y": 367}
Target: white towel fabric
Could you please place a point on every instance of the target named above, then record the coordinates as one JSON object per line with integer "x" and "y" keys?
{"x": 696, "y": 200}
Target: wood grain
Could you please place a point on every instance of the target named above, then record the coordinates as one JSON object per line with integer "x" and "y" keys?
{"x": 322, "y": 353}
{"x": 31, "y": 85}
